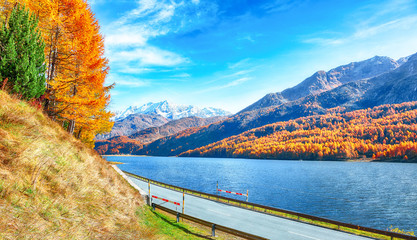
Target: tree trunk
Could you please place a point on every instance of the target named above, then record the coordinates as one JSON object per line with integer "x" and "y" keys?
{"x": 71, "y": 126}
{"x": 79, "y": 133}
{"x": 49, "y": 106}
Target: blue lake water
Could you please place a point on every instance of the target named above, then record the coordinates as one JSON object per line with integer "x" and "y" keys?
{"x": 375, "y": 195}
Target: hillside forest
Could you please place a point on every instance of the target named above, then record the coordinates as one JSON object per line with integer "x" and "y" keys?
{"x": 52, "y": 55}
{"x": 387, "y": 132}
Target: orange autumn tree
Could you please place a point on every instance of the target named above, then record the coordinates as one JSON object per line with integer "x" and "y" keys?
{"x": 76, "y": 95}
{"x": 6, "y": 7}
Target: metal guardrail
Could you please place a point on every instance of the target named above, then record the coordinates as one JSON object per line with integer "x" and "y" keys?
{"x": 210, "y": 224}
{"x": 346, "y": 227}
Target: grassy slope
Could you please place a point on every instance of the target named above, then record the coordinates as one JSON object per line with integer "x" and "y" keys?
{"x": 52, "y": 186}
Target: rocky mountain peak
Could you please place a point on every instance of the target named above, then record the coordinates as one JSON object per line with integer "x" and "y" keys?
{"x": 171, "y": 111}
{"x": 322, "y": 81}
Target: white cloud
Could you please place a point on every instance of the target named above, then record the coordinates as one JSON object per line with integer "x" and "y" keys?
{"x": 94, "y": 2}
{"x": 165, "y": 14}
{"x": 281, "y": 5}
{"x": 239, "y": 64}
{"x": 181, "y": 75}
{"x": 405, "y": 22}
{"x": 145, "y": 8}
{"x": 236, "y": 82}
{"x": 366, "y": 32}
{"x": 127, "y": 39}
{"x": 371, "y": 13}
{"x": 114, "y": 93}
{"x": 241, "y": 69}
{"x": 126, "y": 68}
{"x": 371, "y": 21}
{"x": 240, "y": 73}
{"x": 227, "y": 85}
{"x": 325, "y": 41}
{"x": 149, "y": 56}
{"x": 128, "y": 81}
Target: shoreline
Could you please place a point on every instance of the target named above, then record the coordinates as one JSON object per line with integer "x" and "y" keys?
{"x": 125, "y": 155}
{"x": 318, "y": 160}
{"x": 399, "y": 160}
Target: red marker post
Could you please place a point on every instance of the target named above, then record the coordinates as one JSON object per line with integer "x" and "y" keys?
{"x": 236, "y": 193}
{"x": 166, "y": 200}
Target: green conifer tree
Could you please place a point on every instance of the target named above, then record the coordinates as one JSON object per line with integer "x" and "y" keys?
{"x": 22, "y": 57}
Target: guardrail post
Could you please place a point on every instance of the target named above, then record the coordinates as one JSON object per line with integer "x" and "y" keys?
{"x": 149, "y": 192}
{"x": 148, "y": 201}
{"x": 183, "y": 200}
{"x": 178, "y": 217}
{"x": 247, "y": 195}
{"x": 213, "y": 230}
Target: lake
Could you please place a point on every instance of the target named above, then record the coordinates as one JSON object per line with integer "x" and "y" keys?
{"x": 375, "y": 195}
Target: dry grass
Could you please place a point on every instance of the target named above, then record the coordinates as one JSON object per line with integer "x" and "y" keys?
{"x": 52, "y": 186}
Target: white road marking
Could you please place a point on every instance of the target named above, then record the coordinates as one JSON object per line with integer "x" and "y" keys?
{"x": 304, "y": 235}
{"x": 222, "y": 213}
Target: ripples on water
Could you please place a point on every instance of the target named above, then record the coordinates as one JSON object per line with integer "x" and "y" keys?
{"x": 375, "y": 195}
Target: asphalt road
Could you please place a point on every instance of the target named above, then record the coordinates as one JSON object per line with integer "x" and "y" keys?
{"x": 245, "y": 220}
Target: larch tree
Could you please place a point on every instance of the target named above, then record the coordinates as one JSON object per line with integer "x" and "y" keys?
{"x": 76, "y": 67}
{"x": 6, "y": 6}
{"x": 22, "y": 55}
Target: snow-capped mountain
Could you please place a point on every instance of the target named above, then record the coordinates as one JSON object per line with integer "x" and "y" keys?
{"x": 171, "y": 111}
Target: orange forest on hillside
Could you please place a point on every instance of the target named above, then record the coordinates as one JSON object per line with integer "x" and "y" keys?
{"x": 75, "y": 95}
{"x": 387, "y": 132}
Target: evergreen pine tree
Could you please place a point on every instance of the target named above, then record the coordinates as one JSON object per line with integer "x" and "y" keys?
{"x": 22, "y": 57}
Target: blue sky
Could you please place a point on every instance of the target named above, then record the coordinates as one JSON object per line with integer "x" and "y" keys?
{"x": 230, "y": 53}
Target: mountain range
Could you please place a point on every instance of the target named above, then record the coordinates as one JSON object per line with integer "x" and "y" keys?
{"x": 151, "y": 134}
{"x": 133, "y": 142}
{"x": 137, "y": 118}
{"x": 133, "y": 123}
{"x": 322, "y": 81}
{"x": 171, "y": 111}
{"x": 358, "y": 85}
